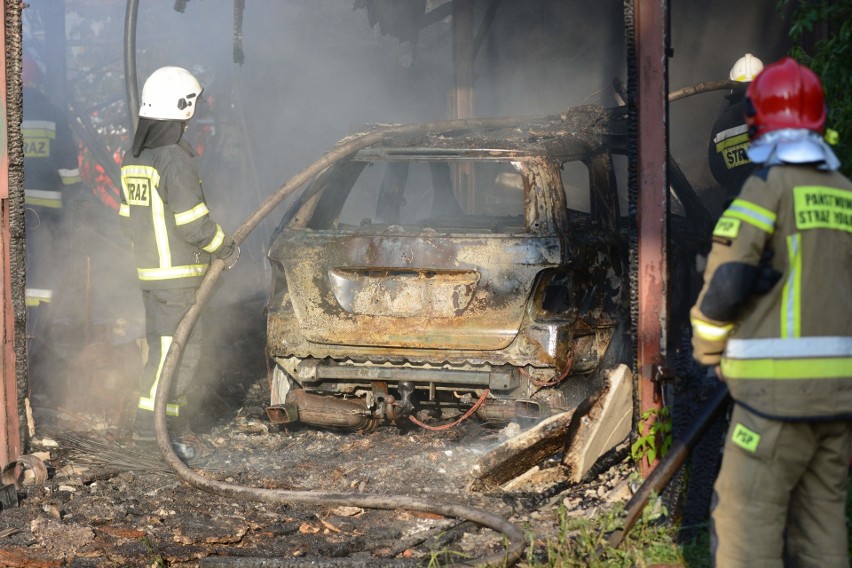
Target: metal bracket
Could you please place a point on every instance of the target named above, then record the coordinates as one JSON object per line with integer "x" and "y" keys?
{"x": 660, "y": 376}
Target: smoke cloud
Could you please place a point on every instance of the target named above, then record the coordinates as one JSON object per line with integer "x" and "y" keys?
{"x": 311, "y": 72}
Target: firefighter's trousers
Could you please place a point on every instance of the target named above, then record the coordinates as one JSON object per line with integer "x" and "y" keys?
{"x": 781, "y": 490}
{"x": 46, "y": 262}
{"x": 164, "y": 310}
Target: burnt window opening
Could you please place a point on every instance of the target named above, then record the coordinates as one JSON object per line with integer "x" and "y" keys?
{"x": 452, "y": 195}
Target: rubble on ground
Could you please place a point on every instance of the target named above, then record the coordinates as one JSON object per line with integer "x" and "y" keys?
{"x": 106, "y": 504}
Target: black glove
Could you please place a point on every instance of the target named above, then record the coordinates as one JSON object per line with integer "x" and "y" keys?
{"x": 767, "y": 276}
{"x": 231, "y": 258}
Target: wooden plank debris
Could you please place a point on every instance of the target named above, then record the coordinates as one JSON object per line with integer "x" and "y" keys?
{"x": 607, "y": 424}
{"x": 518, "y": 454}
{"x": 584, "y": 434}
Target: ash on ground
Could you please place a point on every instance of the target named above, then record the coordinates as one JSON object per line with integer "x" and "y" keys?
{"x": 108, "y": 502}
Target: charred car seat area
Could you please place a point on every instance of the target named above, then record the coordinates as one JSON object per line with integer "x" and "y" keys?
{"x": 428, "y": 274}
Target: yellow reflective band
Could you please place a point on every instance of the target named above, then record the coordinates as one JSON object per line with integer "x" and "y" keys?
{"x": 818, "y": 207}
{"x": 218, "y": 238}
{"x": 784, "y": 369}
{"x": 196, "y": 212}
{"x": 727, "y": 228}
{"x": 39, "y": 293}
{"x": 147, "y": 403}
{"x": 36, "y": 296}
{"x": 42, "y": 194}
{"x": 52, "y": 203}
{"x": 790, "y": 348}
{"x": 730, "y": 133}
{"x": 70, "y": 177}
{"x": 745, "y": 438}
{"x": 124, "y": 210}
{"x": 141, "y": 171}
{"x": 165, "y": 343}
{"x": 755, "y": 215}
{"x": 832, "y": 136}
{"x": 711, "y": 332}
{"x": 791, "y": 302}
{"x": 741, "y": 140}
{"x": 161, "y": 231}
{"x": 186, "y": 271}
{"x": 39, "y": 127}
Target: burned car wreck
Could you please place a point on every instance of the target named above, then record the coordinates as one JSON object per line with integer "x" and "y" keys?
{"x": 440, "y": 273}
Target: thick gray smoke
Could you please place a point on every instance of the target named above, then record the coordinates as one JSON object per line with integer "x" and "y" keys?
{"x": 316, "y": 70}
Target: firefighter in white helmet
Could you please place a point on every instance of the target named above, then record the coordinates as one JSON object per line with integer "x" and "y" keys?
{"x": 174, "y": 237}
{"x": 746, "y": 68}
{"x": 729, "y": 162}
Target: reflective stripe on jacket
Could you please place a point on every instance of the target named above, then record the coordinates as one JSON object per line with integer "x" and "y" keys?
{"x": 167, "y": 219}
{"x": 726, "y": 151}
{"x": 784, "y": 342}
{"x": 50, "y": 152}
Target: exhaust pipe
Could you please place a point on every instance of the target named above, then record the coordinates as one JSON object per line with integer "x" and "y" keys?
{"x": 324, "y": 411}
{"x": 509, "y": 410}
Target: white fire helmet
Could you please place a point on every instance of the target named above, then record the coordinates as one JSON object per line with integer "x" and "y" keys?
{"x": 170, "y": 93}
{"x": 746, "y": 68}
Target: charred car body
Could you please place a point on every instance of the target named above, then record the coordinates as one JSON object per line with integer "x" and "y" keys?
{"x": 440, "y": 272}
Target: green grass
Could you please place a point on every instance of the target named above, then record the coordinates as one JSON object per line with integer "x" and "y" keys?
{"x": 582, "y": 542}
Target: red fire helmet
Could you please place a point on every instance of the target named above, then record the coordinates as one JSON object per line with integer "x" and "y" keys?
{"x": 785, "y": 94}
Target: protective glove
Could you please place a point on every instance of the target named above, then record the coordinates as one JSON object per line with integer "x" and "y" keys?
{"x": 767, "y": 277}
{"x": 232, "y": 257}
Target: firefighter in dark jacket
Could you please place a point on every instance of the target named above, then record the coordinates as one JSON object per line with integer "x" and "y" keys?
{"x": 775, "y": 315}
{"x": 729, "y": 162}
{"x": 51, "y": 181}
{"x": 174, "y": 238}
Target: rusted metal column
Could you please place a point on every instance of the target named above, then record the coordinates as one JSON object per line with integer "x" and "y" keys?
{"x": 651, "y": 99}
{"x": 9, "y": 420}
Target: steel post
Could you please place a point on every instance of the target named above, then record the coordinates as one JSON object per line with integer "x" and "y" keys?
{"x": 651, "y": 17}
{"x": 10, "y": 438}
